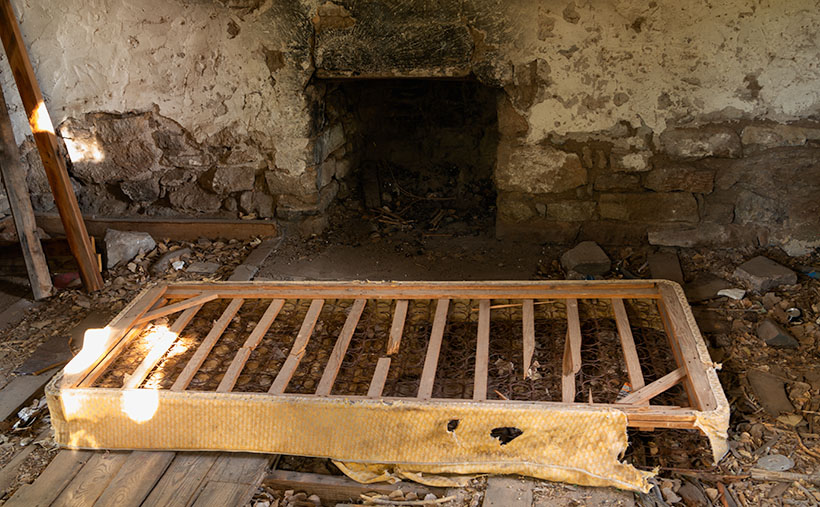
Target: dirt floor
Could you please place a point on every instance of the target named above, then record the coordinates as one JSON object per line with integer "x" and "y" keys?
{"x": 365, "y": 245}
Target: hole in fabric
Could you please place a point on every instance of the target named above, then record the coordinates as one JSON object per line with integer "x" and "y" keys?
{"x": 505, "y": 435}
{"x": 452, "y": 425}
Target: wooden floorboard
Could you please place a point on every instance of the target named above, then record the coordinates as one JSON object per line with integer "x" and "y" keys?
{"x": 92, "y": 479}
{"x": 182, "y": 480}
{"x": 48, "y": 486}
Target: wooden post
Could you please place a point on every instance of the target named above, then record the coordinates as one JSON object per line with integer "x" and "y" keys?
{"x": 46, "y": 141}
{"x": 14, "y": 178}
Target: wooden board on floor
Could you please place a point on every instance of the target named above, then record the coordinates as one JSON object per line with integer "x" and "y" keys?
{"x": 20, "y": 391}
{"x": 182, "y": 479}
{"x": 48, "y": 486}
{"x": 135, "y": 479}
{"x": 92, "y": 479}
{"x": 56, "y": 351}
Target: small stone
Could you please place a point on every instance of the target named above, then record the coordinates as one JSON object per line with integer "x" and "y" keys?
{"x": 712, "y": 493}
{"x": 233, "y": 179}
{"x": 541, "y": 209}
{"x": 775, "y": 336}
{"x": 586, "y": 258}
{"x": 203, "y": 267}
{"x": 769, "y": 300}
{"x": 315, "y": 500}
{"x": 775, "y": 463}
{"x": 164, "y": 262}
{"x": 411, "y": 496}
{"x": 177, "y": 265}
{"x": 122, "y": 246}
{"x": 762, "y": 274}
{"x": 429, "y": 497}
{"x": 732, "y": 293}
{"x": 396, "y": 494}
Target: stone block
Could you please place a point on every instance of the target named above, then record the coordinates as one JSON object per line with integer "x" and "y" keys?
{"x": 303, "y": 182}
{"x": 617, "y": 182}
{"x": 191, "y": 197}
{"x": 537, "y": 230}
{"x": 630, "y": 161}
{"x": 231, "y": 179}
{"x": 586, "y": 258}
{"x": 757, "y": 137}
{"x": 536, "y": 169}
{"x": 680, "y": 178}
{"x": 754, "y": 208}
{"x": 762, "y": 274}
{"x": 511, "y": 123}
{"x": 613, "y": 232}
{"x": 327, "y": 142}
{"x": 141, "y": 191}
{"x": 649, "y": 207}
{"x": 571, "y": 211}
{"x": 704, "y": 235}
{"x": 513, "y": 208}
{"x": 775, "y": 336}
{"x": 122, "y": 246}
{"x": 695, "y": 143}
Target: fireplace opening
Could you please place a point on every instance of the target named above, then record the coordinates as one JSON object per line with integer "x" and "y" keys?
{"x": 419, "y": 153}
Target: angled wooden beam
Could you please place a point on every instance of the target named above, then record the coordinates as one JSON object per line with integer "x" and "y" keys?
{"x": 379, "y": 378}
{"x": 399, "y": 316}
{"x": 207, "y": 344}
{"x": 159, "y": 349}
{"x": 647, "y": 392}
{"x": 528, "y": 323}
{"x": 633, "y": 364}
{"x": 572, "y": 352}
{"x": 14, "y": 179}
{"x": 46, "y": 140}
{"x": 482, "y": 353}
{"x": 176, "y": 307}
{"x": 428, "y": 373}
{"x": 334, "y": 363}
{"x": 280, "y": 383}
{"x": 253, "y": 341}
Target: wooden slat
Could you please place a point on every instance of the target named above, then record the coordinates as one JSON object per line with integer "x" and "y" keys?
{"x": 74, "y": 373}
{"x": 238, "y": 363}
{"x": 695, "y": 369}
{"x": 574, "y": 334}
{"x": 176, "y": 307}
{"x": 428, "y": 373}
{"x": 14, "y": 179}
{"x": 379, "y": 378}
{"x": 48, "y": 486}
{"x": 160, "y": 348}
{"x": 220, "y": 494}
{"x": 528, "y": 323}
{"x": 135, "y": 479}
{"x": 567, "y": 374}
{"x": 657, "y": 387}
{"x": 182, "y": 480}
{"x": 482, "y": 354}
{"x": 282, "y": 379}
{"x": 46, "y": 141}
{"x": 334, "y": 363}
{"x": 399, "y": 316}
{"x": 207, "y": 344}
{"x": 633, "y": 364}
{"x": 92, "y": 480}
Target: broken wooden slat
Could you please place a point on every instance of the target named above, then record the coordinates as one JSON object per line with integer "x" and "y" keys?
{"x": 160, "y": 348}
{"x": 428, "y": 373}
{"x": 567, "y": 375}
{"x": 207, "y": 344}
{"x": 482, "y": 354}
{"x": 379, "y": 378}
{"x": 238, "y": 363}
{"x": 633, "y": 364}
{"x": 92, "y": 353}
{"x": 48, "y": 147}
{"x": 176, "y": 307}
{"x": 399, "y": 316}
{"x": 701, "y": 390}
{"x": 646, "y": 393}
{"x": 528, "y": 323}
{"x": 14, "y": 179}
{"x": 298, "y": 350}
{"x": 334, "y": 363}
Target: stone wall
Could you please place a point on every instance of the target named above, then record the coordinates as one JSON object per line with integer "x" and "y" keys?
{"x": 676, "y": 122}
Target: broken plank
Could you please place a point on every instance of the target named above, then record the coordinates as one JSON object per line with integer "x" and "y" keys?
{"x": 633, "y": 363}
{"x": 207, "y": 344}
{"x": 176, "y": 307}
{"x": 396, "y": 329}
{"x": 238, "y": 363}
{"x": 91, "y": 481}
{"x": 298, "y": 350}
{"x": 482, "y": 355}
{"x": 528, "y": 324}
{"x": 646, "y": 393}
{"x": 158, "y": 350}
{"x": 135, "y": 479}
{"x": 334, "y": 488}
{"x": 334, "y": 363}
{"x": 379, "y": 378}
{"x": 428, "y": 373}
{"x": 48, "y": 486}
{"x": 92, "y": 354}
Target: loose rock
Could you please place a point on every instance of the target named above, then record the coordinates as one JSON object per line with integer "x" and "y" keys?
{"x": 775, "y": 336}
{"x": 705, "y": 287}
{"x": 775, "y": 463}
{"x": 762, "y": 274}
{"x": 122, "y": 246}
{"x": 770, "y": 392}
{"x": 587, "y": 258}
{"x": 164, "y": 262}
{"x": 203, "y": 267}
